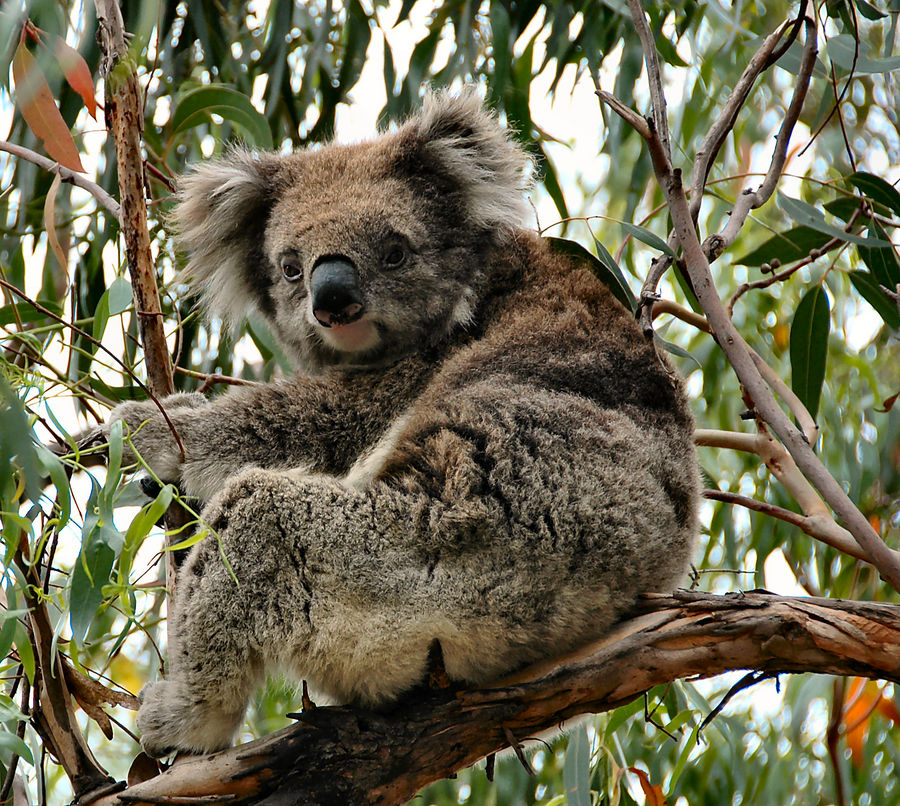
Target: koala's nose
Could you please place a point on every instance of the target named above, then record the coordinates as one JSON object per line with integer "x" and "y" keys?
{"x": 335, "y": 293}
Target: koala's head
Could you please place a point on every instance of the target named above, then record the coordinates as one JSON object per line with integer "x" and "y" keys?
{"x": 357, "y": 254}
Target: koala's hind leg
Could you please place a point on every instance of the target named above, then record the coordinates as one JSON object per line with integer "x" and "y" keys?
{"x": 214, "y": 664}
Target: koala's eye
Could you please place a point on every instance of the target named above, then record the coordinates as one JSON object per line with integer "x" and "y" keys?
{"x": 290, "y": 268}
{"x": 394, "y": 255}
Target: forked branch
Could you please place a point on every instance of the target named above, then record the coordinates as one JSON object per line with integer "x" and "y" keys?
{"x": 696, "y": 260}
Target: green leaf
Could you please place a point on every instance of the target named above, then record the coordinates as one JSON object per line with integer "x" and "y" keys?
{"x": 881, "y": 262}
{"x": 27, "y": 313}
{"x": 668, "y": 346}
{"x": 16, "y": 445}
{"x": 51, "y": 466}
{"x": 196, "y": 106}
{"x": 841, "y": 50}
{"x": 809, "y": 216}
{"x": 24, "y": 649}
{"x": 809, "y": 347}
{"x": 120, "y": 296}
{"x": 101, "y": 543}
{"x": 577, "y": 769}
{"x": 688, "y": 745}
{"x": 138, "y": 530}
{"x": 604, "y": 267}
{"x": 265, "y": 342}
{"x": 869, "y": 290}
{"x": 11, "y": 744}
{"x": 868, "y": 11}
{"x": 649, "y": 238}
{"x": 793, "y": 244}
{"x": 116, "y": 299}
{"x": 876, "y": 189}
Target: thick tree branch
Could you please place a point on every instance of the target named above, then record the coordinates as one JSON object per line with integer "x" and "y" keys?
{"x": 345, "y": 755}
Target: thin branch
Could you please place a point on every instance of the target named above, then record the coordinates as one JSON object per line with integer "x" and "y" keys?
{"x": 816, "y": 520}
{"x": 749, "y": 200}
{"x": 802, "y": 522}
{"x": 651, "y": 60}
{"x": 662, "y": 306}
{"x": 638, "y": 123}
{"x": 804, "y": 419}
{"x": 719, "y": 131}
{"x": 66, "y": 174}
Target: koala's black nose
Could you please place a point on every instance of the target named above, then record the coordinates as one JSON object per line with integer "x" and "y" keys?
{"x": 335, "y": 292}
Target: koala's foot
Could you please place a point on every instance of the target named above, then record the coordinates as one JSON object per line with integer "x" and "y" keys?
{"x": 169, "y": 720}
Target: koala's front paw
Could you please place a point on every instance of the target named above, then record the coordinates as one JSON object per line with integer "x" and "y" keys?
{"x": 151, "y": 435}
{"x": 169, "y": 720}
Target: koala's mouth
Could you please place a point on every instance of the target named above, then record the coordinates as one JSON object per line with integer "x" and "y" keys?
{"x": 355, "y": 337}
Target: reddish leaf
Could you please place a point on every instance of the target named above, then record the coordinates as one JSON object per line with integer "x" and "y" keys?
{"x": 865, "y": 697}
{"x": 35, "y": 102}
{"x": 77, "y": 73}
{"x": 652, "y": 792}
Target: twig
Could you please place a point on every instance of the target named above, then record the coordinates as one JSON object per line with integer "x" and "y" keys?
{"x": 749, "y": 200}
{"x": 517, "y": 749}
{"x": 661, "y": 306}
{"x": 651, "y": 60}
{"x": 66, "y": 174}
{"x": 788, "y": 396}
{"x": 715, "y": 137}
{"x": 817, "y": 520}
{"x": 748, "y": 680}
{"x": 85, "y": 335}
{"x": 833, "y": 737}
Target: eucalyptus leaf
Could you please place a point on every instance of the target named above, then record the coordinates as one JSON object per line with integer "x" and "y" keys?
{"x": 809, "y": 216}
{"x": 809, "y": 347}
{"x": 844, "y": 51}
{"x": 196, "y": 106}
{"x": 576, "y": 770}
{"x": 648, "y": 237}
{"x": 869, "y": 289}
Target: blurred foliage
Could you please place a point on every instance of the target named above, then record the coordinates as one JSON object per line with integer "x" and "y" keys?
{"x": 285, "y": 75}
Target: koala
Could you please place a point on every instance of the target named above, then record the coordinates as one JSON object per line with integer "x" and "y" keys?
{"x": 479, "y": 448}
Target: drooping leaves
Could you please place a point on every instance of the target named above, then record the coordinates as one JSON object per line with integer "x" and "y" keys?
{"x": 77, "y": 73}
{"x": 35, "y": 101}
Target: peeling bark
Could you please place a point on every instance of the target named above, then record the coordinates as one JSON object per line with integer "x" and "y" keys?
{"x": 348, "y": 755}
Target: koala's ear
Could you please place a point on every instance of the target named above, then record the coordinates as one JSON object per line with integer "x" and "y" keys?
{"x": 219, "y": 221}
{"x": 459, "y": 139}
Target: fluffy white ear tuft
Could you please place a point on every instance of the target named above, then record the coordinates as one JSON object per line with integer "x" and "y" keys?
{"x": 467, "y": 143}
{"x": 219, "y": 221}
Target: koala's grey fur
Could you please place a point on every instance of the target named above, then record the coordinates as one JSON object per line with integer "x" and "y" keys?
{"x": 493, "y": 457}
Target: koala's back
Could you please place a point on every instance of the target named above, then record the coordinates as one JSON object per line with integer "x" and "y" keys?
{"x": 550, "y": 453}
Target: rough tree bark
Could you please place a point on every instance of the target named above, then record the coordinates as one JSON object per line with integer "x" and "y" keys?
{"x": 125, "y": 118}
{"x": 346, "y": 755}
